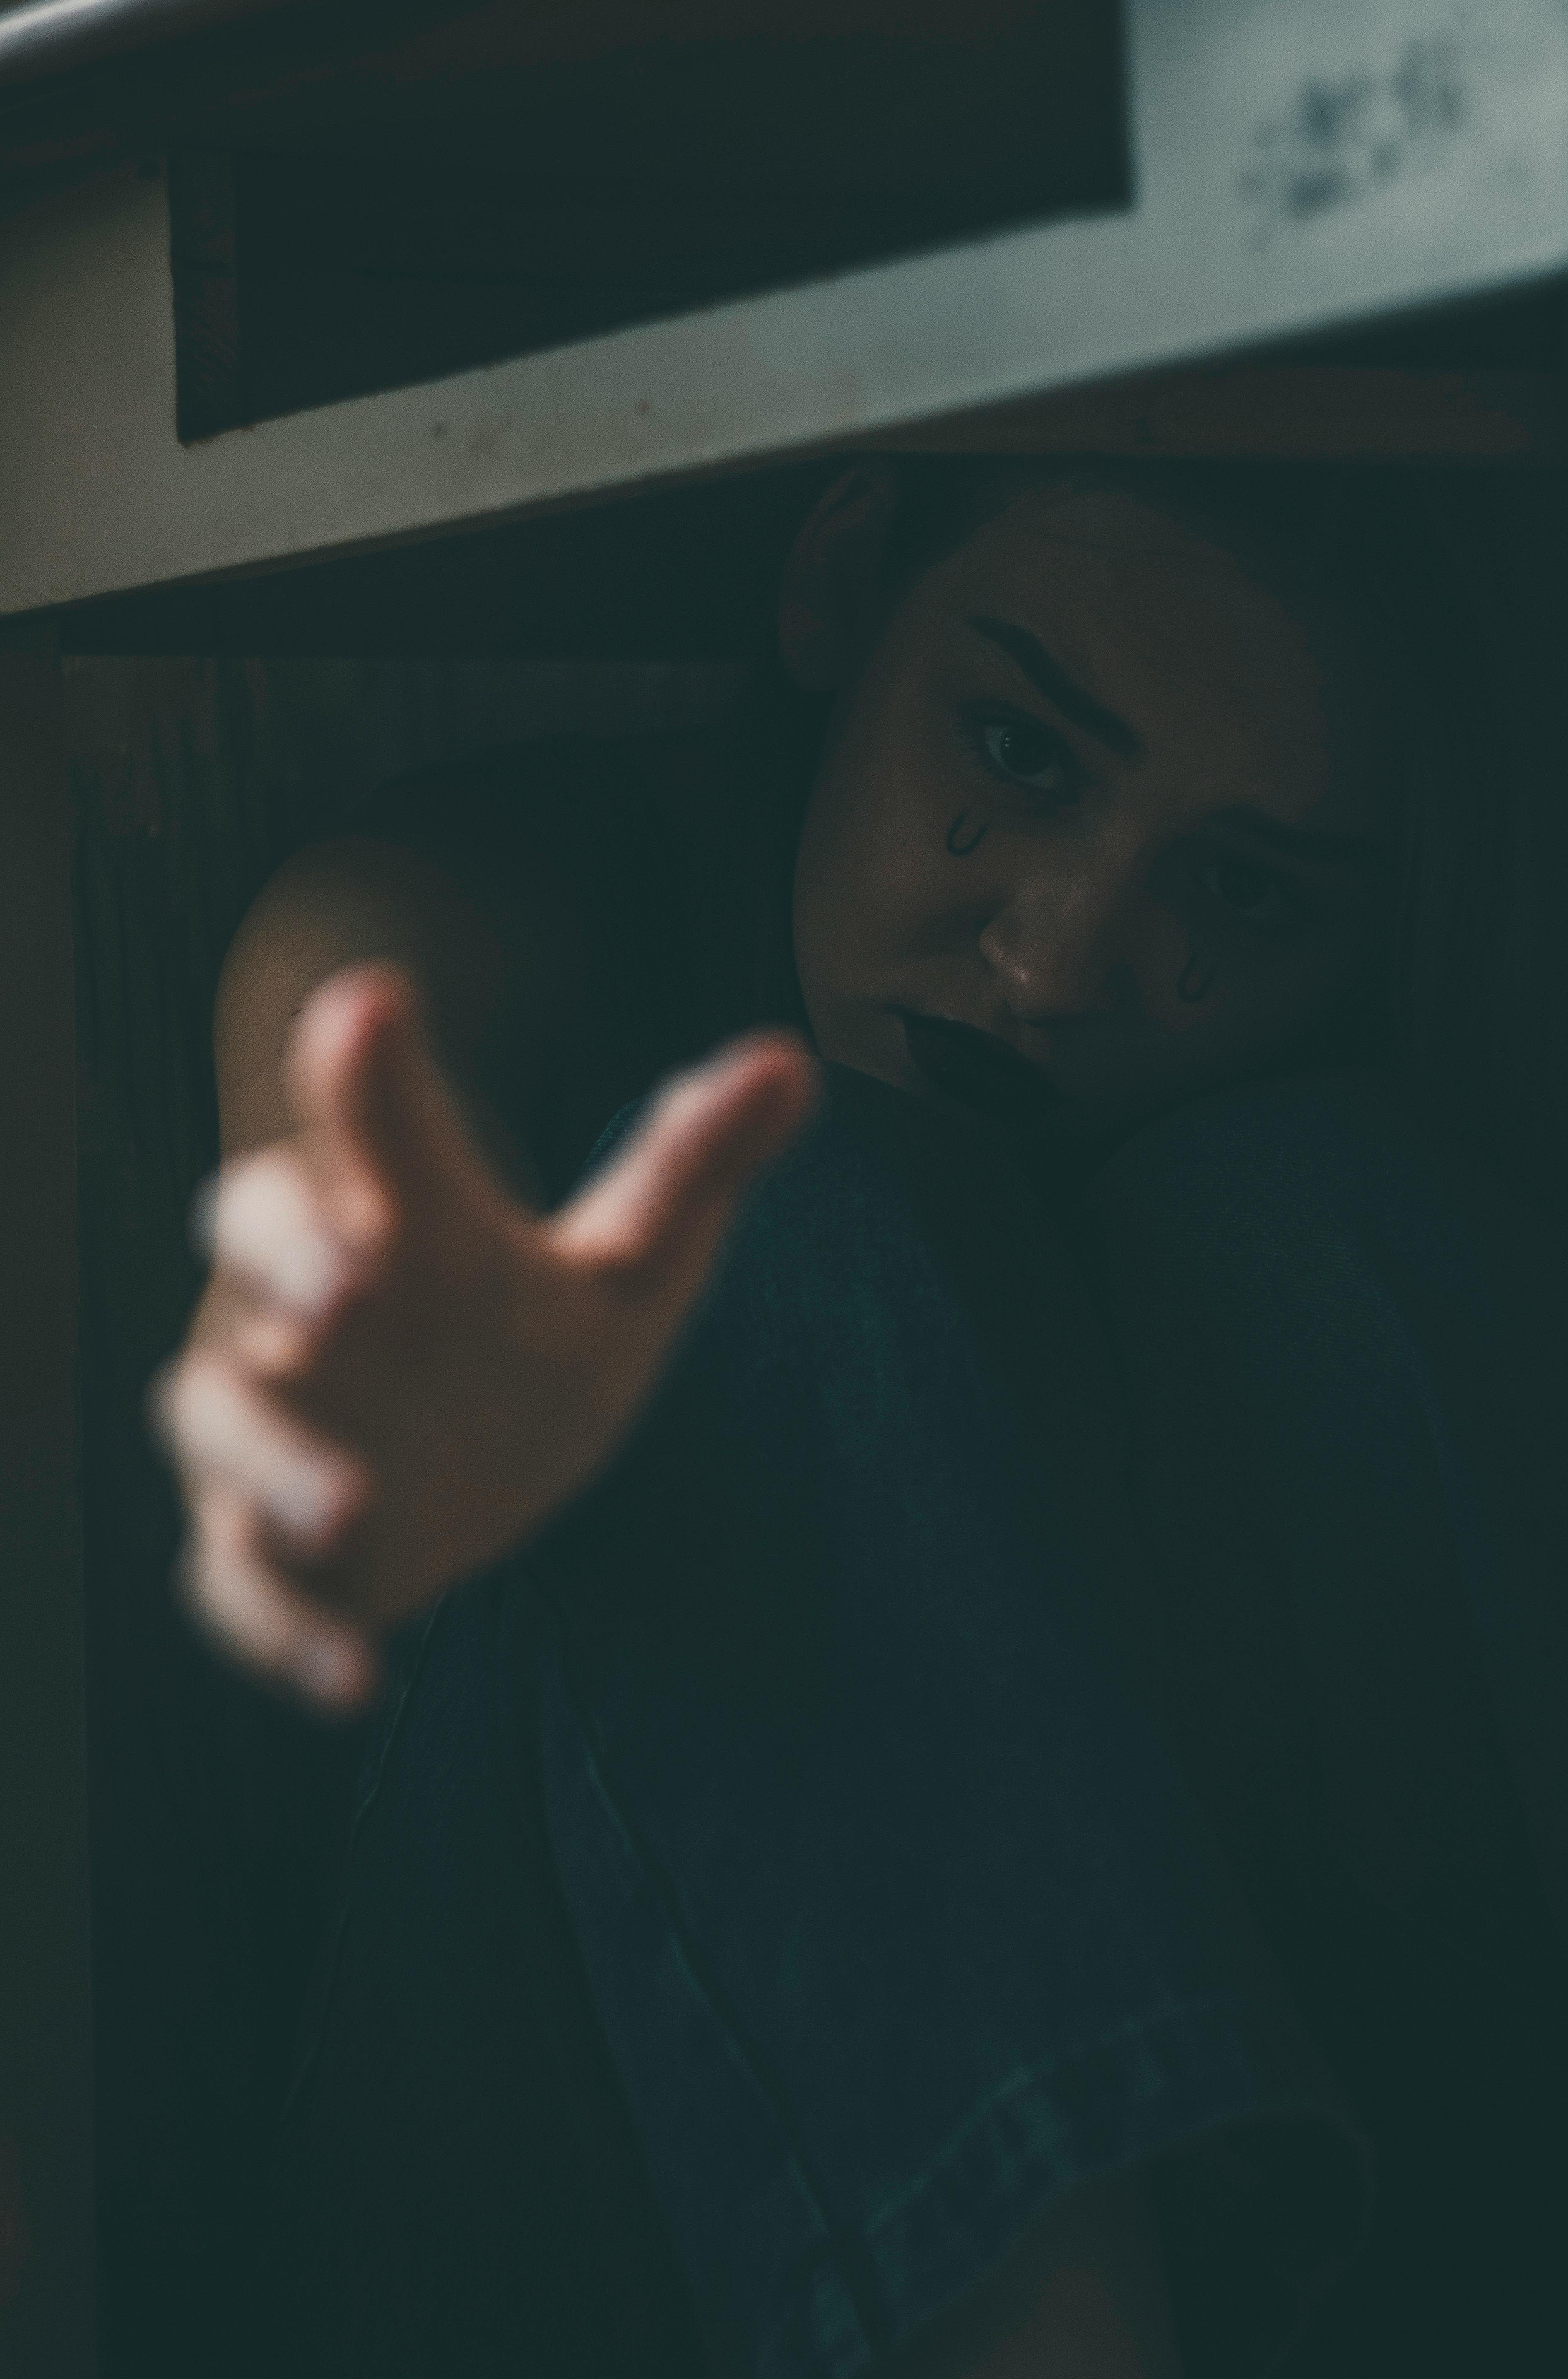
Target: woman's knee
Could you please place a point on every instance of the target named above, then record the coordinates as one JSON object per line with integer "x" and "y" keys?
{"x": 1314, "y": 1303}
{"x": 1250, "y": 1170}
{"x": 1305, "y": 1213}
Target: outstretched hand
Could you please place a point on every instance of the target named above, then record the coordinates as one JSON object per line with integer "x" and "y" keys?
{"x": 399, "y": 1371}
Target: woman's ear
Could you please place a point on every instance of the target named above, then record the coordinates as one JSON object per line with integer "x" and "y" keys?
{"x": 832, "y": 578}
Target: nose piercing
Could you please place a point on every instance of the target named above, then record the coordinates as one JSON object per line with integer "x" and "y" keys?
{"x": 958, "y": 850}
{"x": 1194, "y": 980}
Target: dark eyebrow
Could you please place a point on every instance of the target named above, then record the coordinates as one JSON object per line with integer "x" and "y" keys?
{"x": 1303, "y": 841}
{"x": 1057, "y": 686}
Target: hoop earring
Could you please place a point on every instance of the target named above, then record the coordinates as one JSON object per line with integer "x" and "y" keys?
{"x": 1192, "y": 985}
{"x": 956, "y": 849}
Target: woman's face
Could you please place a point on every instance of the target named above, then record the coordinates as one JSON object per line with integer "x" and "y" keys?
{"x": 1091, "y": 791}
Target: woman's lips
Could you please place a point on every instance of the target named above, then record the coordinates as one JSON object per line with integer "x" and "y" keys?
{"x": 977, "y": 1069}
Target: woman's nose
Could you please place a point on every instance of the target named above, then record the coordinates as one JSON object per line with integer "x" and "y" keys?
{"x": 1061, "y": 948}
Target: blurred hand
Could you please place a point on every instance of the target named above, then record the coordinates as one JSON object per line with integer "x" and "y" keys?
{"x": 398, "y": 1371}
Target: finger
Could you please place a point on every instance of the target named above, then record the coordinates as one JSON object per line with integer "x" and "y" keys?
{"x": 664, "y": 1203}
{"x": 264, "y": 1224}
{"x": 222, "y": 1431}
{"x": 264, "y": 1620}
{"x": 263, "y": 1337}
{"x": 378, "y": 1114}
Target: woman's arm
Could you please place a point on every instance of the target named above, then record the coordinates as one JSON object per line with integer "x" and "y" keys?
{"x": 500, "y": 980}
{"x": 401, "y": 1366}
{"x": 445, "y": 1378}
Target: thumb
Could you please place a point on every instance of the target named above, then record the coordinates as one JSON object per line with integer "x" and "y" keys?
{"x": 657, "y": 1215}
{"x": 376, "y": 1115}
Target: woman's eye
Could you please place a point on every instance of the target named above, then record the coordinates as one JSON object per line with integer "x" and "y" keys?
{"x": 1025, "y": 754}
{"x": 1250, "y": 892}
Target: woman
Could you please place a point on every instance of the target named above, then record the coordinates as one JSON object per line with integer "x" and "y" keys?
{"x": 1143, "y": 837}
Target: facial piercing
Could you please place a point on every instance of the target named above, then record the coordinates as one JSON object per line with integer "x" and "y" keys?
{"x": 1194, "y": 980}
{"x": 958, "y": 850}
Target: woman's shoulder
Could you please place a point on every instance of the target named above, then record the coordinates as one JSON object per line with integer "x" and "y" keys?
{"x": 581, "y": 802}
{"x": 633, "y": 848}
